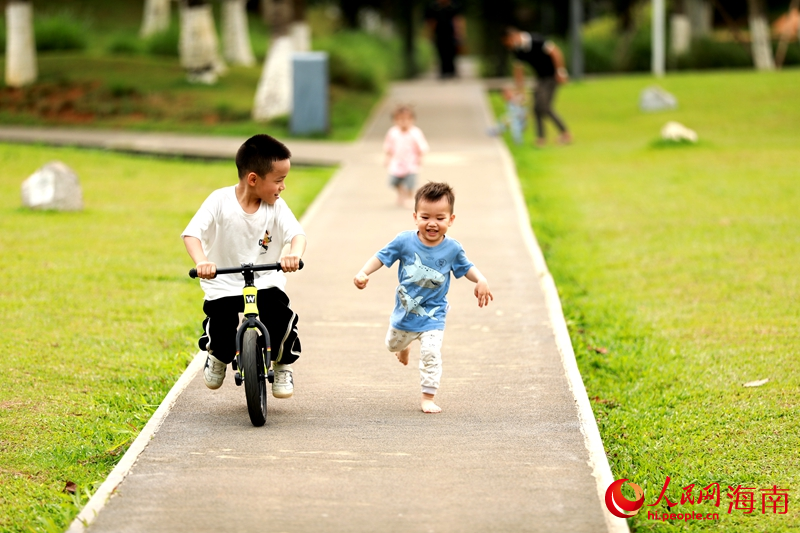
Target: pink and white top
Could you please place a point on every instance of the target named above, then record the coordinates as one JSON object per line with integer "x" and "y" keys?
{"x": 405, "y": 148}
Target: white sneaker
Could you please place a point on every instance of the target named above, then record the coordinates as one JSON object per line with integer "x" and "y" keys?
{"x": 283, "y": 384}
{"x": 214, "y": 372}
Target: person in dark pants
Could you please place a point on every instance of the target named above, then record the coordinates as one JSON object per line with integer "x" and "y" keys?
{"x": 547, "y": 61}
{"x": 447, "y": 27}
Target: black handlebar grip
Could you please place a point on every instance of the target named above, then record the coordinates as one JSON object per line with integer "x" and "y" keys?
{"x": 276, "y": 266}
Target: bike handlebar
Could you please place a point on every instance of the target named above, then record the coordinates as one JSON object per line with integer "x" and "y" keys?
{"x": 241, "y": 269}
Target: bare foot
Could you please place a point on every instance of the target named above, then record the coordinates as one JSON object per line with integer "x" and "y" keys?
{"x": 565, "y": 138}
{"x": 402, "y": 356}
{"x": 428, "y": 406}
{"x": 541, "y": 142}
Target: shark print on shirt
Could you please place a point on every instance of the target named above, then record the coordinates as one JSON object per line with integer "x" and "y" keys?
{"x": 412, "y": 305}
{"x": 422, "y": 275}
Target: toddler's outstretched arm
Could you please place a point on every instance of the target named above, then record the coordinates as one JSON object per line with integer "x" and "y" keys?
{"x": 482, "y": 292}
{"x": 362, "y": 278}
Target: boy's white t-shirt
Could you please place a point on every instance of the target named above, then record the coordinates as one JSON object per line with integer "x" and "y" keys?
{"x": 231, "y": 237}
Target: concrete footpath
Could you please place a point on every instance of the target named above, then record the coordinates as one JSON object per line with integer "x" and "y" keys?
{"x": 515, "y": 449}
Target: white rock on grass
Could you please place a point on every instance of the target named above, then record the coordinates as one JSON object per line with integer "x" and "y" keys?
{"x": 656, "y": 99}
{"x": 54, "y": 186}
{"x": 675, "y": 131}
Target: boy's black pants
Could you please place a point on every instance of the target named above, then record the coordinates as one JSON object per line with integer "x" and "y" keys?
{"x": 222, "y": 321}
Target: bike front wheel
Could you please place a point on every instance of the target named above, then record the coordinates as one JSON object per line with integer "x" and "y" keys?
{"x": 254, "y": 372}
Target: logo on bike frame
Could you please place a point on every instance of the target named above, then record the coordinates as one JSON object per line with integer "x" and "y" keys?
{"x": 619, "y": 505}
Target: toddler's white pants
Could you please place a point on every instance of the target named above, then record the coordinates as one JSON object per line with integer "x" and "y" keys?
{"x": 430, "y": 354}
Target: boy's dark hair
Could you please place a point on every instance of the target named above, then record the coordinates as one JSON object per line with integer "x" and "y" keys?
{"x": 258, "y": 153}
{"x": 433, "y": 191}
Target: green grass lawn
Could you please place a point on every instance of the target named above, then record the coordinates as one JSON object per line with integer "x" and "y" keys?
{"x": 151, "y": 94}
{"x": 678, "y": 273}
{"x": 99, "y": 86}
{"x": 99, "y": 317}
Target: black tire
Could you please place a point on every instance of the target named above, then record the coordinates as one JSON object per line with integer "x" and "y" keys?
{"x": 255, "y": 388}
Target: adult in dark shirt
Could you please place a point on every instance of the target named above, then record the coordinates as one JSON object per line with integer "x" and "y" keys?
{"x": 447, "y": 27}
{"x": 547, "y": 61}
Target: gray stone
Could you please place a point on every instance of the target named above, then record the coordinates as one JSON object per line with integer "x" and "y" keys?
{"x": 54, "y": 186}
{"x": 656, "y": 99}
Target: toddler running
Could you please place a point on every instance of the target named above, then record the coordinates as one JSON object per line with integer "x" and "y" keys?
{"x": 427, "y": 257}
{"x": 404, "y": 146}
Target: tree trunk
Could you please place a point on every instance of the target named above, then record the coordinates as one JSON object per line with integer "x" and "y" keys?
{"x": 494, "y": 16}
{"x": 156, "y": 17}
{"x": 700, "y": 13}
{"x": 299, "y": 29}
{"x": 198, "y": 43}
{"x": 236, "y": 34}
{"x": 759, "y": 36}
{"x": 680, "y": 28}
{"x": 408, "y": 33}
{"x": 350, "y": 9}
{"x": 274, "y": 92}
{"x": 21, "y": 66}
{"x": 576, "y": 42}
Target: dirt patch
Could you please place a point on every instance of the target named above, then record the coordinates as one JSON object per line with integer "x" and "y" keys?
{"x": 72, "y": 103}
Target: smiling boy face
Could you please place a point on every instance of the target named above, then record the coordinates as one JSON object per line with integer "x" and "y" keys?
{"x": 269, "y": 188}
{"x": 433, "y": 219}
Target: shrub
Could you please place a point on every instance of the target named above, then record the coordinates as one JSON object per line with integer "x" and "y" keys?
{"x": 164, "y": 43}
{"x": 361, "y": 61}
{"x": 707, "y": 53}
{"x": 62, "y": 31}
{"x": 792, "y": 54}
{"x": 599, "y": 43}
{"x": 598, "y": 55}
{"x": 124, "y": 44}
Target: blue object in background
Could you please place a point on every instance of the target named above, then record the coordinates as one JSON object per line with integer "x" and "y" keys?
{"x": 309, "y": 93}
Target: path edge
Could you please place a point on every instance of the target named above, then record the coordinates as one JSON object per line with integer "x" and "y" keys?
{"x": 598, "y": 461}
{"x": 98, "y": 500}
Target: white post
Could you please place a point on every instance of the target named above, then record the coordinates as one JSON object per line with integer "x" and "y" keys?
{"x": 21, "y": 68}
{"x": 658, "y": 38}
{"x": 236, "y": 34}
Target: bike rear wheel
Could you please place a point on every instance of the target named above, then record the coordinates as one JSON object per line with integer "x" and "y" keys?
{"x": 254, "y": 373}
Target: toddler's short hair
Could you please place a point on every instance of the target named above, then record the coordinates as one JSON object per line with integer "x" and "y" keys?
{"x": 403, "y": 108}
{"x": 433, "y": 191}
{"x": 258, "y": 153}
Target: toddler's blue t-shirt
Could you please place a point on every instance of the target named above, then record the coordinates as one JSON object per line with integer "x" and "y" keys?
{"x": 424, "y": 276}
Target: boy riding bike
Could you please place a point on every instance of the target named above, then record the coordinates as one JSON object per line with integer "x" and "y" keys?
{"x": 248, "y": 223}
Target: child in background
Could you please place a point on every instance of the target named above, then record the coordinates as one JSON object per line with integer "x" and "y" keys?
{"x": 427, "y": 257}
{"x": 404, "y": 145}
{"x": 515, "y": 118}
